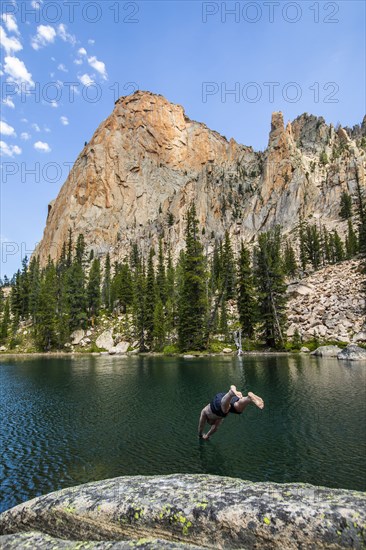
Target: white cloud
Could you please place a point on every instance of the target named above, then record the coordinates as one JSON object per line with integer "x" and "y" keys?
{"x": 78, "y": 61}
{"x": 36, "y": 4}
{"x": 45, "y": 35}
{"x": 10, "y": 22}
{"x": 64, "y": 35}
{"x": 91, "y": 41}
{"x": 36, "y": 127}
{"x": 10, "y": 44}
{"x": 64, "y": 120}
{"x": 23, "y": 120}
{"x": 54, "y": 104}
{"x": 85, "y": 79}
{"x": 17, "y": 71}
{"x": 6, "y": 129}
{"x": 82, "y": 51}
{"x": 62, "y": 68}
{"x": 8, "y": 102}
{"x": 42, "y": 146}
{"x": 25, "y": 136}
{"x": 47, "y": 129}
{"x": 9, "y": 150}
{"x": 98, "y": 66}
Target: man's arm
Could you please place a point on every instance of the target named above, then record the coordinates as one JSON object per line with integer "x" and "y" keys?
{"x": 201, "y": 423}
{"x": 213, "y": 429}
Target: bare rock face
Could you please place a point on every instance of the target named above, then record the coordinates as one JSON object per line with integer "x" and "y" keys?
{"x": 148, "y": 161}
{"x": 188, "y": 511}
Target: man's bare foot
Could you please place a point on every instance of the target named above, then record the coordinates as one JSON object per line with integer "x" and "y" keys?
{"x": 205, "y": 437}
{"x": 236, "y": 392}
{"x": 256, "y": 400}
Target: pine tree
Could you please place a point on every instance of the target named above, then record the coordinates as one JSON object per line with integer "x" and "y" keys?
{"x": 302, "y": 238}
{"x": 106, "y": 292}
{"x": 122, "y": 287}
{"x": 24, "y": 282}
{"x": 76, "y": 289}
{"x": 69, "y": 249}
{"x": 271, "y": 287}
{"x": 289, "y": 260}
{"x": 192, "y": 307}
{"x": 161, "y": 275}
{"x": 93, "y": 290}
{"x": 224, "y": 329}
{"x": 5, "y": 323}
{"x": 46, "y": 318}
{"x": 338, "y": 247}
{"x": 34, "y": 286}
{"x": 362, "y": 217}
{"x": 246, "y": 293}
{"x": 80, "y": 249}
{"x": 63, "y": 268}
{"x": 326, "y": 246}
{"x": 139, "y": 305}
{"x": 159, "y": 325}
{"x": 216, "y": 269}
{"x": 170, "y": 306}
{"x": 150, "y": 299}
{"x": 312, "y": 245}
{"x": 229, "y": 268}
{"x": 346, "y": 206}
{"x": 351, "y": 241}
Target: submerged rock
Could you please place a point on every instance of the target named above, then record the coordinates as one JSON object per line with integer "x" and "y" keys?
{"x": 188, "y": 511}
{"x": 327, "y": 351}
{"x": 353, "y": 353}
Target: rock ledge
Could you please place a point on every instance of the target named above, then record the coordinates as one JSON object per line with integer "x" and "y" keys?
{"x": 188, "y": 511}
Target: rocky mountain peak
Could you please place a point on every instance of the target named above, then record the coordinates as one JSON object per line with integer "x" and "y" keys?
{"x": 148, "y": 161}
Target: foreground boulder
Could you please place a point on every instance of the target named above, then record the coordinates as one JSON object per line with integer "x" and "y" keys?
{"x": 188, "y": 511}
{"x": 353, "y": 353}
{"x": 327, "y": 351}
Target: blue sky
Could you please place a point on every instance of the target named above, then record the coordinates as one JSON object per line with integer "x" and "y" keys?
{"x": 290, "y": 56}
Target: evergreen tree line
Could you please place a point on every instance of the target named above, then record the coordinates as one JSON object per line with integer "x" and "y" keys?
{"x": 162, "y": 303}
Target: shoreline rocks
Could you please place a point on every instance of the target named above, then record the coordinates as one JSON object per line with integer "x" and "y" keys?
{"x": 189, "y": 511}
{"x": 353, "y": 353}
{"x": 326, "y": 351}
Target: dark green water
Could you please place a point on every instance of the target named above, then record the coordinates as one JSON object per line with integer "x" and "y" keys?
{"x": 68, "y": 421}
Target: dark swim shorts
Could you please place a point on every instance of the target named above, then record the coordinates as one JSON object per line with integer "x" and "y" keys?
{"x": 216, "y": 405}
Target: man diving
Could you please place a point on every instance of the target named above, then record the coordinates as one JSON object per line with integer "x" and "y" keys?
{"x": 221, "y": 405}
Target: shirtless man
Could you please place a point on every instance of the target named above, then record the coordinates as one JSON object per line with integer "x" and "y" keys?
{"x": 222, "y": 404}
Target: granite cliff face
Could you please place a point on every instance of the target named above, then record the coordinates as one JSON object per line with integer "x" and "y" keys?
{"x": 148, "y": 161}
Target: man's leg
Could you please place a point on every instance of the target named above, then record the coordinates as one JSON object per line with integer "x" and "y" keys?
{"x": 245, "y": 401}
{"x": 225, "y": 401}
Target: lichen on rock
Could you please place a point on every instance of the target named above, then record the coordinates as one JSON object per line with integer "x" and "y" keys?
{"x": 185, "y": 511}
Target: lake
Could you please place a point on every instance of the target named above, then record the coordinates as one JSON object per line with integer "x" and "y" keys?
{"x": 66, "y": 421}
